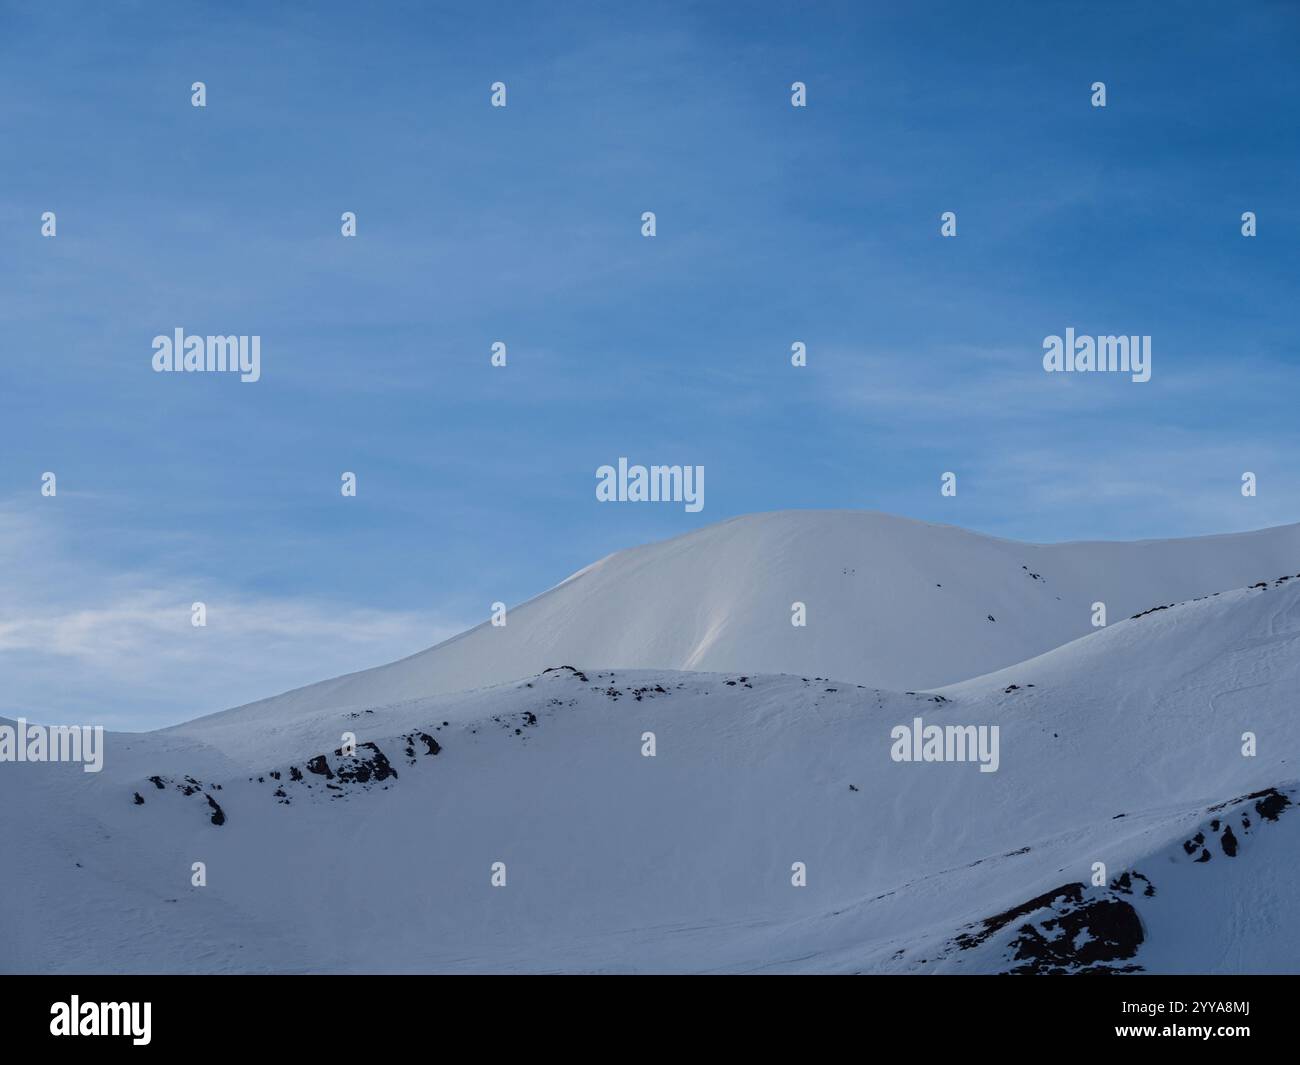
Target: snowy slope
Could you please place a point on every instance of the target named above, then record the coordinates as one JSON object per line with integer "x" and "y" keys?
{"x": 1119, "y": 747}
{"x": 891, "y": 602}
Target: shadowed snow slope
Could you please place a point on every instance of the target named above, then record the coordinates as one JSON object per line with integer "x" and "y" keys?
{"x": 891, "y": 602}
{"x": 1123, "y": 747}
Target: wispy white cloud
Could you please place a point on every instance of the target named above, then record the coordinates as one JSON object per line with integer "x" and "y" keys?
{"x": 82, "y": 642}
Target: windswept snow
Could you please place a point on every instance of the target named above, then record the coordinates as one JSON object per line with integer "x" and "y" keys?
{"x": 1123, "y": 747}
{"x": 890, "y": 602}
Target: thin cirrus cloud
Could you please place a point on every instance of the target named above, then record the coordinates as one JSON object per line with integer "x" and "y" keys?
{"x": 83, "y": 643}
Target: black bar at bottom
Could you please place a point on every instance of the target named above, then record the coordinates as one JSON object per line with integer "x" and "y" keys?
{"x": 363, "y": 1013}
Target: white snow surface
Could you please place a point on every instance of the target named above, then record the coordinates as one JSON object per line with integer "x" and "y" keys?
{"x": 891, "y": 602}
{"x": 1118, "y": 745}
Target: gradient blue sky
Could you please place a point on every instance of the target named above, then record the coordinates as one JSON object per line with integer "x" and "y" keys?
{"x": 523, "y": 225}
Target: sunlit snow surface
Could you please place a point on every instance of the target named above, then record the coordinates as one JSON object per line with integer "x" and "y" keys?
{"x": 1122, "y": 746}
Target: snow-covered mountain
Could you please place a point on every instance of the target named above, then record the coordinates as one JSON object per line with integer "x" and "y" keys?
{"x": 1122, "y": 747}
{"x": 890, "y": 602}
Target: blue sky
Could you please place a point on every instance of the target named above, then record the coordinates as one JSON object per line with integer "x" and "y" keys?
{"x": 522, "y": 224}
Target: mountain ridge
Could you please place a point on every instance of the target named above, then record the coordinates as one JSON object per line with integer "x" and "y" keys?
{"x": 875, "y": 588}
{"x": 1120, "y": 748}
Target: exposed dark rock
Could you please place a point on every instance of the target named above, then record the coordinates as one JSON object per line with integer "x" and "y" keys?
{"x": 1080, "y": 940}
{"x": 320, "y": 767}
{"x": 555, "y": 669}
{"x": 1124, "y": 883}
{"x": 1151, "y": 611}
{"x": 364, "y": 767}
{"x": 1064, "y": 893}
{"x": 1271, "y": 803}
{"x": 1078, "y": 934}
